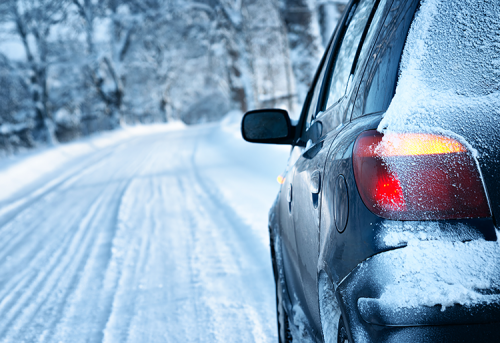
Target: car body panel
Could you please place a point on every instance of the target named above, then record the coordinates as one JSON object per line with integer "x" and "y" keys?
{"x": 288, "y": 240}
{"x": 306, "y": 223}
{"x": 361, "y": 290}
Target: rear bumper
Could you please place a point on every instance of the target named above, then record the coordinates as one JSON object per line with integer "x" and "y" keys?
{"x": 374, "y": 311}
{"x": 480, "y": 333}
{"x": 429, "y": 292}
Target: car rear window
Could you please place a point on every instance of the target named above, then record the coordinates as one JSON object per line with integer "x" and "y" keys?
{"x": 454, "y": 49}
{"x": 450, "y": 68}
{"x": 383, "y": 71}
{"x": 454, "y": 46}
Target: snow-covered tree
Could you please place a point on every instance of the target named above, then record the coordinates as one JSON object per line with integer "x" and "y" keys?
{"x": 33, "y": 23}
{"x": 90, "y": 65}
{"x": 301, "y": 21}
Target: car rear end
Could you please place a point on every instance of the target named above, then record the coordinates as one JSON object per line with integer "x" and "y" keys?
{"x": 417, "y": 259}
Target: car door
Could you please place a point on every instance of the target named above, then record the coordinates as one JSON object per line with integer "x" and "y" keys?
{"x": 288, "y": 201}
{"x": 319, "y": 133}
{"x": 287, "y": 233}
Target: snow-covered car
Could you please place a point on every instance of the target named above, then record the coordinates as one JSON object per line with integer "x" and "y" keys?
{"x": 385, "y": 226}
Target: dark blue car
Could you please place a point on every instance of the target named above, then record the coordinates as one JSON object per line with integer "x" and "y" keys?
{"x": 385, "y": 227}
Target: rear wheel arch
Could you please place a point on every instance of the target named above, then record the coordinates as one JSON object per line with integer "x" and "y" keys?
{"x": 331, "y": 312}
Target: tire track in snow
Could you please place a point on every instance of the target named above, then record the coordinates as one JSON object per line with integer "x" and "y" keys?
{"x": 44, "y": 194}
{"x": 45, "y": 246}
{"x": 14, "y": 208}
{"x": 44, "y": 280}
{"x": 196, "y": 306}
{"x": 161, "y": 257}
{"x": 10, "y": 209}
{"x": 123, "y": 306}
{"x": 177, "y": 315}
{"x": 27, "y": 253}
{"x": 227, "y": 264}
{"x": 154, "y": 269}
{"x": 33, "y": 296}
{"x": 52, "y": 249}
{"x": 93, "y": 296}
{"x": 241, "y": 280}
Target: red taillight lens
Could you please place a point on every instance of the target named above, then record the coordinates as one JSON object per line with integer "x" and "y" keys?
{"x": 418, "y": 177}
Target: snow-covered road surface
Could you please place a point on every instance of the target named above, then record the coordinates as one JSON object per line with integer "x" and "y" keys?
{"x": 157, "y": 238}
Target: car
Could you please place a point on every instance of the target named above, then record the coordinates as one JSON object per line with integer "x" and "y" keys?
{"x": 385, "y": 225}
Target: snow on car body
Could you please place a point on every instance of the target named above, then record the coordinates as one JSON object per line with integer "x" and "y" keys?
{"x": 385, "y": 228}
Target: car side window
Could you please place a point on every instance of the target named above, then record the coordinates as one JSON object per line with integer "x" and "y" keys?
{"x": 311, "y": 112}
{"x": 370, "y": 35}
{"x": 382, "y": 78}
{"x": 342, "y": 68}
{"x": 316, "y": 92}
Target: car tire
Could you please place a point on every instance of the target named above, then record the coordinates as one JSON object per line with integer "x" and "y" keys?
{"x": 342, "y": 336}
{"x": 284, "y": 333}
{"x": 332, "y": 323}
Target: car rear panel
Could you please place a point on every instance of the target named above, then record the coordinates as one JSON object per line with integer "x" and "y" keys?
{"x": 372, "y": 318}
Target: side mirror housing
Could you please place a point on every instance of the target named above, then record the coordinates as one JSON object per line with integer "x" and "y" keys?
{"x": 271, "y": 126}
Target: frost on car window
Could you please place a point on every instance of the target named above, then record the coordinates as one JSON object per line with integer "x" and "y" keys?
{"x": 347, "y": 52}
{"x": 450, "y": 69}
{"x": 462, "y": 51}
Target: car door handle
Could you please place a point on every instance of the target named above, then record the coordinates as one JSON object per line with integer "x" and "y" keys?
{"x": 315, "y": 182}
{"x": 289, "y": 193}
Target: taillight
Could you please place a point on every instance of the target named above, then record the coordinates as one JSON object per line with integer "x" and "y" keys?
{"x": 418, "y": 177}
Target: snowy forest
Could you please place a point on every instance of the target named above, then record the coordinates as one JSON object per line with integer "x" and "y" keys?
{"x": 69, "y": 68}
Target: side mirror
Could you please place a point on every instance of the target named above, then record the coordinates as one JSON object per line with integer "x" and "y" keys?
{"x": 267, "y": 126}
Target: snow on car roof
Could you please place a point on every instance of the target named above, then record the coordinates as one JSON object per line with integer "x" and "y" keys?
{"x": 451, "y": 60}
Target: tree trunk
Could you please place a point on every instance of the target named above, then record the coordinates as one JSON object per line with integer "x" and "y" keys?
{"x": 304, "y": 39}
{"x": 329, "y": 14}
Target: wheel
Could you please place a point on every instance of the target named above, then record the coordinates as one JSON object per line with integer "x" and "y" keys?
{"x": 284, "y": 333}
{"x": 342, "y": 336}
{"x": 332, "y": 323}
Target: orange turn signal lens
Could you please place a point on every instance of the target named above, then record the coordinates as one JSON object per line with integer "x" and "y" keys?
{"x": 414, "y": 144}
{"x": 409, "y": 144}
{"x": 280, "y": 179}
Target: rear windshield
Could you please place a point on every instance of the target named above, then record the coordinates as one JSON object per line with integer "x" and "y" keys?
{"x": 454, "y": 46}
{"x": 450, "y": 69}
{"x": 449, "y": 79}
{"x": 451, "y": 47}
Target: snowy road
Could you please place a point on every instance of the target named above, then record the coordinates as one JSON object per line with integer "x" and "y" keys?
{"x": 158, "y": 238}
